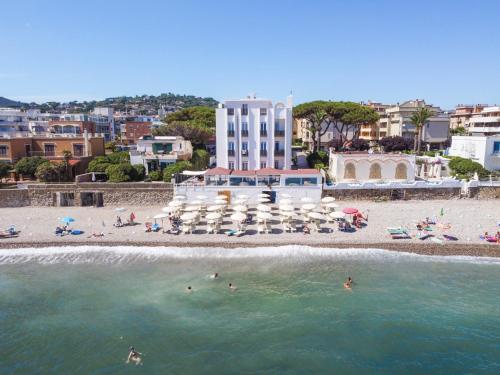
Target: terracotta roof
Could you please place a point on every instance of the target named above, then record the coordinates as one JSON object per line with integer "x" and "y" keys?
{"x": 242, "y": 173}
{"x": 300, "y": 171}
{"x": 218, "y": 171}
{"x": 268, "y": 171}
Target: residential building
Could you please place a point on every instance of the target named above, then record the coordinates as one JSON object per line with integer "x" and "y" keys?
{"x": 462, "y": 114}
{"x": 377, "y": 130}
{"x": 371, "y": 167}
{"x": 482, "y": 149}
{"x": 132, "y": 131}
{"x": 436, "y": 130}
{"x": 301, "y": 133}
{"x": 486, "y": 122}
{"x": 104, "y": 121}
{"x": 83, "y": 148}
{"x": 71, "y": 127}
{"x": 13, "y": 122}
{"x": 253, "y": 134}
{"x": 155, "y": 152}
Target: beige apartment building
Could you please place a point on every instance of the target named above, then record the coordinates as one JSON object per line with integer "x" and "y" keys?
{"x": 463, "y": 112}
{"x": 377, "y": 130}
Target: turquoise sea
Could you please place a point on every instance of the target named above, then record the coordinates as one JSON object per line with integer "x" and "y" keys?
{"x": 77, "y": 310}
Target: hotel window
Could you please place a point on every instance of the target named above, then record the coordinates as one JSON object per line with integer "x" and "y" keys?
{"x": 263, "y": 165}
{"x": 230, "y": 126}
{"x": 230, "y": 146}
{"x": 263, "y": 111}
{"x": 244, "y": 166}
{"x": 3, "y": 150}
{"x": 230, "y": 111}
{"x": 244, "y": 109}
{"x": 244, "y": 126}
{"x": 263, "y": 146}
{"x": 77, "y": 150}
{"x": 231, "y": 165}
{"x": 244, "y": 146}
{"x": 263, "y": 127}
{"x": 496, "y": 147}
{"x": 276, "y": 164}
{"x": 49, "y": 149}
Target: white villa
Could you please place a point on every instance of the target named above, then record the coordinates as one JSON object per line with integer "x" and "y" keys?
{"x": 482, "y": 149}
{"x": 156, "y": 152}
{"x": 362, "y": 167}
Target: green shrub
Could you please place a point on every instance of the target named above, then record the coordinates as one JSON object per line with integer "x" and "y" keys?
{"x": 4, "y": 169}
{"x": 319, "y": 166}
{"x": 120, "y": 172}
{"x": 110, "y": 146}
{"x": 140, "y": 172}
{"x": 98, "y": 164}
{"x": 175, "y": 168}
{"x": 319, "y": 157}
{"x": 119, "y": 157}
{"x": 466, "y": 168}
{"x": 27, "y": 166}
{"x": 48, "y": 172}
{"x": 155, "y": 176}
{"x": 200, "y": 160}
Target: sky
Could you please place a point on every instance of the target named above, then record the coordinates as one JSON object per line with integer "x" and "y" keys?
{"x": 446, "y": 52}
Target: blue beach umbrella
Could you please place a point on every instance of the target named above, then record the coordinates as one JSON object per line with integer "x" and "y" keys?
{"x": 67, "y": 219}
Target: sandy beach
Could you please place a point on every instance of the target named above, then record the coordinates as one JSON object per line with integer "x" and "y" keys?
{"x": 468, "y": 220}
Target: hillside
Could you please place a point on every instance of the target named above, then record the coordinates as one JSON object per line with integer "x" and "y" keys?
{"x": 7, "y": 103}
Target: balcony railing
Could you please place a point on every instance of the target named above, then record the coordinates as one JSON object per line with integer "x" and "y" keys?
{"x": 263, "y": 152}
{"x": 230, "y": 133}
{"x": 279, "y": 133}
{"x": 230, "y": 153}
{"x": 263, "y": 133}
{"x": 244, "y": 133}
{"x": 279, "y": 152}
{"x": 244, "y": 152}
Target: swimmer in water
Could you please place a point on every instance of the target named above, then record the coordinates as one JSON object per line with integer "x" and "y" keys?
{"x": 215, "y": 276}
{"x": 348, "y": 283}
{"x": 232, "y": 287}
{"x": 134, "y": 356}
{"x": 189, "y": 289}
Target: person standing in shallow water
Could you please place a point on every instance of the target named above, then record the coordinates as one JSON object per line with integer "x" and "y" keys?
{"x": 232, "y": 287}
{"x": 348, "y": 283}
{"x": 134, "y": 356}
{"x": 189, "y": 289}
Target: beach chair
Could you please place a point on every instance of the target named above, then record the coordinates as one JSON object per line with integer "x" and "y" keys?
{"x": 155, "y": 227}
{"x": 261, "y": 228}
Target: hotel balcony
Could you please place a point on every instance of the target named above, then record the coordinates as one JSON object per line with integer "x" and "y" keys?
{"x": 263, "y": 152}
{"x": 244, "y": 152}
{"x": 279, "y": 152}
{"x": 230, "y": 133}
{"x": 230, "y": 153}
{"x": 279, "y": 133}
{"x": 244, "y": 133}
{"x": 263, "y": 133}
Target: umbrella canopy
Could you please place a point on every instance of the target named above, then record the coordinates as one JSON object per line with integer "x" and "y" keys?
{"x": 350, "y": 210}
{"x": 263, "y": 195}
{"x": 263, "y": 200}
{"x": 160, "y": 216}
{"x": 120, "y": 209}
{"x": 286, "y": 207}
{"x": 67, "y": 220}
{"x": 220, "y": 201}
{"x": 332, "y": 205}
{"x": 214, "y": 208}
{"x": 240, "y": 208}
{"x": 191, "y": 208}
{"x": 213, "y": 216}
{"x": 337, "y": 215}
{"x": 240, "y": 201}
{"x": 175, "y": 204}
{"x": 188, "y": 216}
{"x": 286, "y": 201}
{"x": 180, "y": 198}
{"x": 196, "y": 202}
{"x": 202, "y": 197}
{"x": 238, "y": 216}
{"x": 221, "y": 196}
{"x": 288, "y": 214}
{"x": 309, "y": 206}
{"x": 169, "y": 209}
{"x": 306, "y": 200}
{"x": 263, "y": 208}
{"x": 328, "y": 199}
{"x": 285, "y": 195}
{"x": 242, "y": 196}
{"x": 316, "y": 215}
{"x": 264, "y": 215}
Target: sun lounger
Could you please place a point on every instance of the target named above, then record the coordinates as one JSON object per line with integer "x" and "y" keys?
{"x": 231, "y": 232}
{"x": 447, "y": 237}
{"x": 155, "y": 227}
{"x": 424, "y": 237}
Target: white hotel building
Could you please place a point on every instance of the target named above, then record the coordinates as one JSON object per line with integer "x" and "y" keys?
{"x": 253, "y": 134}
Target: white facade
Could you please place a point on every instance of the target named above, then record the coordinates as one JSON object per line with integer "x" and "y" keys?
{"x": 366, "y": 167}
{"x": 487, "y": 122}
{"x": 254, "y": 134}
{"x": 155, "y": 153}
{"x": 484, "y": 150}
{"x": 13, "y": 122}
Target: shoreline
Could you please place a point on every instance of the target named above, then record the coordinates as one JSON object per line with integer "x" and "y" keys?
{"x": 446, "y": 249}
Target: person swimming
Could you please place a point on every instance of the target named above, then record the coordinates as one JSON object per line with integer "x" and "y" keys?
{"x": 348, "y": 283}
{"x": 134, "y": 356}
{"x": 189, "y": 289}
{"x": 215, "y": 276}
{"x": 232, "y": 287}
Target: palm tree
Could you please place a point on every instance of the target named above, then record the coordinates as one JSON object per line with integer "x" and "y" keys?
{"x": 419, "y": 119}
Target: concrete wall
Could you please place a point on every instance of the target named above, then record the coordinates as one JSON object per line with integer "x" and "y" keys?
{"x": 14, "y": 198}
{"x": 392, "y": 194}
{"x": 485, "y": 192}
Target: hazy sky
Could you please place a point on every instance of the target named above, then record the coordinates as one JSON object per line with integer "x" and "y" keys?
{"x": 447, "y": 52}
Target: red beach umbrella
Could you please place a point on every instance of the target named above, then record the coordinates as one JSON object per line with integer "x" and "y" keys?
{"x": 350, "y": 211}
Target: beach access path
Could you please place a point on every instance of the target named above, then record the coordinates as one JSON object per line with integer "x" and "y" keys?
{"x": 468, "y": 219}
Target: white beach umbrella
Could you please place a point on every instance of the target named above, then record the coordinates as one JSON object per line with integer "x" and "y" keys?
{"x": 188, "y": 216}
{"x": 160, "y": 216}
{"x": 264, "y": 215}
{"x": 242, "y": 196}
{"x": 191, "y": 208}
{"x": 196, "y": 202}
{"x": 309, "y": 206}
{"x": 286, "y": 207}
{"x": 306, "y": 200}
{"x": 263, "y": 200}
{"x": 169, "y": 209}
{"x": 213, "y": 216}
{"x": 286, "y": 201}
{"x": 328, "y": 200}
{"x": 332, "y": 205}
{"x": 220, "y": 201}
{"x": 240, "y": 201}
{"x": 214, "y": 208}
{"x": 221, "y": 196}
{"x": 285, "y": 195}
{"x": 175, "y": 204}
{"x": 337, "y": 215}
{"x": 240, "y": 208}
{"x": 288, "y": 214}
{"x": 180, "y": 198}
{"x": 120, "y": 209}
{"x": 238, "y": 216}
{"x": 263, "y": 195}
{"x": 263, "y": 208}
{"x": 316, "y": 215}
{"x": 202, "y": 197}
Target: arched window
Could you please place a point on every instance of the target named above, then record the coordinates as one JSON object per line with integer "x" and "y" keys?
{"x": 375, "y": 172}
{"x": 401, "y": 172}
{"x": 350, "y": 172}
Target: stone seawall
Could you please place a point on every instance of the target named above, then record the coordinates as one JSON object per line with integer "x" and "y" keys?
{"x": 485, "y": 192}
{"x": 14, "y": 198}
{"x": 393, "y": 194}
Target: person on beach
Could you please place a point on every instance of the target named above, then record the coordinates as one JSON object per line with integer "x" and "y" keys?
{"x": 348, "y": 283}
{"x": 118, "y": 222}
{"x": 189, "y": 289}
{"x": 134, "y": 356}
{"x": 306, "y": 229}
{"x": 232, "y": 287}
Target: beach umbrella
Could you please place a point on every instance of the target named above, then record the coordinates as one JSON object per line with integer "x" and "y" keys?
{"x": 350, "y": 211}
{"x": 214, "y": 208}
{"x": 263, "y": 208}
{"x": 285, "y": 195}
{"x": 286, "y": 207}
{"x": 306, "y": 200}
{"x": 67, "y": 220}
{"x": 309, "y": 206}
{"x": 188, "y": 216}
{"x": 220, "y": 201}
{"x": 337, "y": 215}
{"x": 332, "y": 205}
{"x": 197, "y": 202}
{"x": 240, "y": 208}
{"x": 242, "y": 196}
{"x": 263, "y": 195}
{"x": 263, "y": 200}
{"x": 286, "y": 201}
{"x": 264, "y": 215}
{"x": 191, "y": 208}
{"x": 213, "y": 216}
{"x": 120, "y": 209}
{"x": 202, "y": 197}
{"x": 160, "y": 216}
{"x": 240, "y": 201}
{"x": 169, "y": 209}
{"x": 180, "y": 198}
{"x": 238, "y": 216}
{"x": 327, "y": 200}
{"x": 316, "y": 215}
{"x": 221, "y": 196}
{"x": 175, "y": 204}
{"x": 288, "y": 214}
